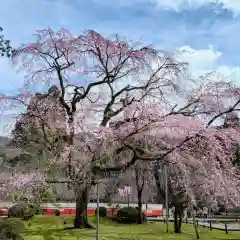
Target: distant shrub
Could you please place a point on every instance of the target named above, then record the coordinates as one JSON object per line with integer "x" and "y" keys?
{"x": 23, "y": 211}
{"x": 102, "y": 212}
{"x": 130, "y": 215}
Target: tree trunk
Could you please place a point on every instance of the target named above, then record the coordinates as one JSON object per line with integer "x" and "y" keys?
{"x": 140, "y": 219}
{"x": 70, "y": 155}
{"x": 140, "y": 214}
{"x": 175, "y": 220}
{"x": 178, "y": 216}
{"x": 140, "y": 186}
{"x": 81, "y": 218}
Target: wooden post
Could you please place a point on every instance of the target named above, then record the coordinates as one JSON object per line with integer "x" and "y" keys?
{"x": 194, "y": 224}
{"x": 97, "y": 228}
{"x": 226, "y": 230}
{"x": 210, "y": 224}
{"x": 166, "y": 196}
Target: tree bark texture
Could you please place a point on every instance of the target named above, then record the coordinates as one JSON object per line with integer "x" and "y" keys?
{"x": 81, "y": 218}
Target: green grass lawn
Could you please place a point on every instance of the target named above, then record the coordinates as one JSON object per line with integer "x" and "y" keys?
{"x": 52, "y": 228}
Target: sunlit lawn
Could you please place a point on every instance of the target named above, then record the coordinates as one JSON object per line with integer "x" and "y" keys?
{"x": 52, "y": 228}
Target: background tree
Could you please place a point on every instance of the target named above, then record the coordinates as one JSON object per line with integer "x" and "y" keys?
{"x": 177, "y": 198}
{"x": 40, "y": 132}
{"x": 110, "y": 189}
{"x": 142, "y": 176}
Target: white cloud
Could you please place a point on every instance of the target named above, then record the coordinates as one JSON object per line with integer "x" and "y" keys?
{"x": 177, "y": 5}
{"x": 203, "y": 58}
{"x": 202, "y": 61}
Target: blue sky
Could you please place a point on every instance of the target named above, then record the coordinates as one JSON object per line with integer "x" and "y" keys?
{"x": 208, "y": 29}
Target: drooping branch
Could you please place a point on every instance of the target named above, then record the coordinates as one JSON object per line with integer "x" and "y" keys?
{"x": 143, "y": 155}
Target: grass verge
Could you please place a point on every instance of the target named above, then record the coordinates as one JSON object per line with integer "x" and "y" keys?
{"x": 52, "y": 228}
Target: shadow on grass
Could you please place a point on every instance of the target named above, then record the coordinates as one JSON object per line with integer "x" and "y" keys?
{"x": 72, "y": 228}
